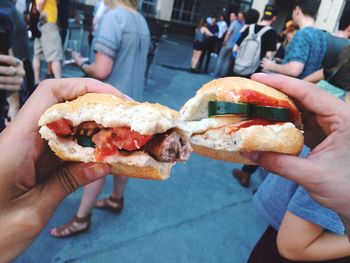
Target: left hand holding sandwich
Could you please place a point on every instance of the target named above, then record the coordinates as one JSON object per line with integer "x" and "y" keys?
{"x": 33, "y": 181}
{"x": 325, "y": 171}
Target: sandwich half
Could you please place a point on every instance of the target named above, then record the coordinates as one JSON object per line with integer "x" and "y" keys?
{"x": 140, "y": 140}
{"x": 231, "y": 115}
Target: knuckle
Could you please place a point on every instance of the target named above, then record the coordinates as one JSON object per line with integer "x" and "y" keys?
{"x": 67, "y": 180}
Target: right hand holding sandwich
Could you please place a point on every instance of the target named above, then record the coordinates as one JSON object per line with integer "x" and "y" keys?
{"x": 325, "y": 172}
{"x": 33, "y": 181}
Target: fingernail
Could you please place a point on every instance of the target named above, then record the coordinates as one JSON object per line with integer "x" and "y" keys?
{"x": 96, "y": 171}
{"x": 253, "y": 156}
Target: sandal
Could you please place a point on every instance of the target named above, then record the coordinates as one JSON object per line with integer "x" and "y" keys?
{"x": 242, "y": 177}
{"x": 111, "y": 203}
{"x": 71, "y": 228}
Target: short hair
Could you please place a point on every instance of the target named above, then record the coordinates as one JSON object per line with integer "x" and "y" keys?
{"x": 308, "y": 7}
{"x": 251, "y": 16}
{"x": 344, "y": 21}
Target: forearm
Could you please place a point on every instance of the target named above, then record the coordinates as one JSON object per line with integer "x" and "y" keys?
{"x": 327, "y": 246}
{"x": 284, "y": 69}
{"x": 315, "y": 77}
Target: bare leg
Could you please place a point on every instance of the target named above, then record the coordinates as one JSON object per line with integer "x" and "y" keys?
{"x": 36, "y": 67}
{"x": 56, "y": 69}
{"x": 193, "y": 61}
{"x": 198, "y": 55}
{"x": 90, "y": 194}
{"x": 81, "y": 222}
{"x": 119, "y": 185}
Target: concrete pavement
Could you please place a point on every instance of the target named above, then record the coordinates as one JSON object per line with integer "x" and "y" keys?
{"x": 199, "y": 215}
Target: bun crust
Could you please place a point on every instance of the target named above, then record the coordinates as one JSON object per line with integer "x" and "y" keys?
{"x": 225, "y": 89}
{"x": 217, "y": 144}
{"x": 145, "y": 118}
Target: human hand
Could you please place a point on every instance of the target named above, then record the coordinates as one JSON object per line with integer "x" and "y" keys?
{"x": 11, "y": 73}
{"x": 77, "y": 57}
{"x": 325, "y": 172}
{"x": 267, "y": 64}
{"x": 33, "y": 181}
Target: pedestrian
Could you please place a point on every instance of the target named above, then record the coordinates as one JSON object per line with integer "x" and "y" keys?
{"x": 337, "y": 42}
{"x": 121, "y": 47}
{"x": 201, "y": 34}
{"x": 210, "y": 44}
{"x": 225, "y": 56}
{"x": 48, "y": 47}
{"x": 255, "y": 43}
{"x": 63, "y": 16}
{"x": 305, "y": 53}
{"x": 222, "y": 25}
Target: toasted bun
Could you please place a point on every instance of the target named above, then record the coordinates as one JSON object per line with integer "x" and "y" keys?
{"x": 210, "y": 136}
{"x": 112, "y": 111}
{"x": 225, "y": 89}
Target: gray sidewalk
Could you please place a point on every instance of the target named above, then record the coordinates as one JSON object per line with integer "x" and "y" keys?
{"x": 199, "y": 215}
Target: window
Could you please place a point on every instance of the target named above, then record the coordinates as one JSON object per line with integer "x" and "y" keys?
{"x": 148, "y": 7}
{"x": 184, "y": 11}
{"x": 245, "y": 5}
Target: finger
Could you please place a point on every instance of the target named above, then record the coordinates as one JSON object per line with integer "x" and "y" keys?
{"x": 15, "y": 80}
{"x": 293, "y": 168}
{"x": 312, "y": 98}
{"x": 10, "y": 87}
{"x": 7, "y": 71}
{"x": 9, "y": 60}
{"x": 68, "y": 178}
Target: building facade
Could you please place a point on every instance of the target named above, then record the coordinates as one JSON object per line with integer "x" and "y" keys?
{"x": 188, "y": 12}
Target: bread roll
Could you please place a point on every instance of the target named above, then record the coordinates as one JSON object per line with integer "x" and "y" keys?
{"x": 111, "y": 111}
{"x": 211, "y": 137}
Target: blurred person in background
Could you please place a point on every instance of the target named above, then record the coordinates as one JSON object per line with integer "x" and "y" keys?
{"x": 121, "y": 45}
{"x": 251, "y": 51}
{"x": 63, "y": 16}
{"x": 99, "y": 10}
{"x": 201, "y": 34}
{"x": 222, "y": 25}
{"x": 225, "y": 57}
{"x": 48, "y": 46}
{"x": 306, "y": 51}
{"x": 337, "y": 42}
{"x": 285, "y": 38}
{"x": 210, "y": 44}
{"x": 243, "y": 175}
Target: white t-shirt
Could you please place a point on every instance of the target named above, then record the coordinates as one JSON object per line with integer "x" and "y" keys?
{"x": 222, "y": 28}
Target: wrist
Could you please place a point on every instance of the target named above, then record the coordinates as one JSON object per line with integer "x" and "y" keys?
{"x": 82, "y": 64}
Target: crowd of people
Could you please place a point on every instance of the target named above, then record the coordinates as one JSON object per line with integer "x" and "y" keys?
{"x": 305, "y": 200}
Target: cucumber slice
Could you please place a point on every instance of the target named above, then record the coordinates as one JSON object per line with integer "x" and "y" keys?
{"x": 270, "y": 113}
{"x": 85, "y": 141}
{"x": 225, "y": 108}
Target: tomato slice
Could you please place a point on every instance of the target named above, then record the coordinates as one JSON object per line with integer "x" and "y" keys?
{"x": 61, "y": 127}
{"x": 230, "y": 129}
{"x": 125, "y": 138}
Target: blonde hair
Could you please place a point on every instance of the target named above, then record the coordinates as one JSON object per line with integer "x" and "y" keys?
{"x": 128, "y": 3}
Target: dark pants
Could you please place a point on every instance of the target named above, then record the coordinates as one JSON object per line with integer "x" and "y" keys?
{"x": 209, "y": 48}
{"x": 266, "y": 251}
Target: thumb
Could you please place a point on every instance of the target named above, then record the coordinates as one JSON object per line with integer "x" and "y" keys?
{"x": 67, "y": 178}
